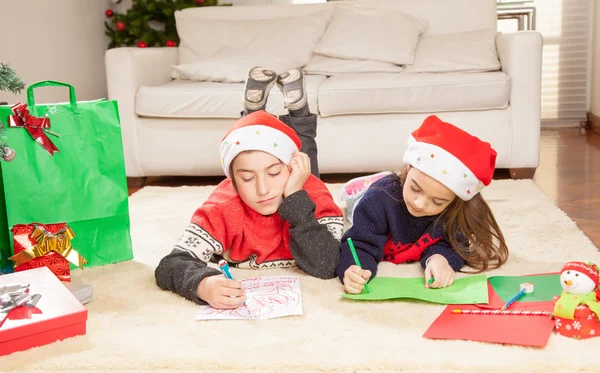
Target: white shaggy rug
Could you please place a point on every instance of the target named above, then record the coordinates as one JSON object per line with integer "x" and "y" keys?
{"x": 134, "y": 326}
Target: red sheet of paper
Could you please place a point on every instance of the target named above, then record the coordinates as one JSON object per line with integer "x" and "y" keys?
{"x": 511, "y": 329}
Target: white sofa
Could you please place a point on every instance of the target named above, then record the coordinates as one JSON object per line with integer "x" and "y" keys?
{"x": 174, "y": 127}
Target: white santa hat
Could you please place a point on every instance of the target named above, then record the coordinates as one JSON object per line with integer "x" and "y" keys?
{"x": 259, "y": 131}
{"x": 460, "y": 161}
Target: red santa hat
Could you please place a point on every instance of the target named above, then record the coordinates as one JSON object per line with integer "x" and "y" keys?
{"x": 460, "y": 161}
{"x": 588, "y": 269}
{"x": 259, "y": 131}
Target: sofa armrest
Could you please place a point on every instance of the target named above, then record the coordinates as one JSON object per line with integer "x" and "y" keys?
{"x": 126, "y": 70}
{"x": 521, "y": 58}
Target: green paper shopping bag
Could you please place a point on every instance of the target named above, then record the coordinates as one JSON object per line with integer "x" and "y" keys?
{"x": 69, "y": 167}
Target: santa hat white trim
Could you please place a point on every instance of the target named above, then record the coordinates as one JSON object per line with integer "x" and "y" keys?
{"x": 444, "y": 167}
{"x": 256, "y": 137}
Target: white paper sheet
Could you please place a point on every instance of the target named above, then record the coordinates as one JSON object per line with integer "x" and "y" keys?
{"x": 267, "y": 297}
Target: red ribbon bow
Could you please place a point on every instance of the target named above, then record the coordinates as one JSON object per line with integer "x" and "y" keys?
{"x": 34, "y": 125}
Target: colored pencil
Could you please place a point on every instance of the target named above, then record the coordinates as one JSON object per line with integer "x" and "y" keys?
{"x": 501, "y": 312}
{"x": 357, "y": 261}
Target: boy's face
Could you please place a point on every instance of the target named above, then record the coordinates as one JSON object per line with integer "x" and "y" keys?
{"x": 260, "y": 179}
{"x": 425, "y": 196}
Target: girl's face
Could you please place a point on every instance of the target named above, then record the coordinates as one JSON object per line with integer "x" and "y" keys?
{"x": 260, "y": 179}
{"x": 425, "y": 196}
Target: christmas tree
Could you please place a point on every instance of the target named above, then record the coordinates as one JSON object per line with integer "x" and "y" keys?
{"x": 9, "y": 81}
{"x": 148, "y": 23}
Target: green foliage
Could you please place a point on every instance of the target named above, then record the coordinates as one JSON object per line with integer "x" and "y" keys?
{"x": 9, "y": 81}
{"x": 149, "y": 21}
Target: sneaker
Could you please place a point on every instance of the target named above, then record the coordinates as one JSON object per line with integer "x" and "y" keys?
{"x": 293, "y": 86}
{"x": 258, "y": 84}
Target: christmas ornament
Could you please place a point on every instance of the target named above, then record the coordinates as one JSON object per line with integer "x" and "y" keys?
{"x": 109, "y": 13}
{"x": 8, "y": 154}
{"x": 199, "y": 1}
{"x": 577, "y": 310}
{"x": 142, "y": 44}
{"x": 120, "y": 26}
{"x": 170, "y": 43}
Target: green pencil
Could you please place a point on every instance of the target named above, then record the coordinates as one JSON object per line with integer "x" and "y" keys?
{"x": 356, "y": 260}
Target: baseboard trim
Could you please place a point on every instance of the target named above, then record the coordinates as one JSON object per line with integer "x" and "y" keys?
{"x": 594, "y": 120}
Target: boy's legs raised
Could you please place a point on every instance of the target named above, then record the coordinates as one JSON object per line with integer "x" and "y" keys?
{"x": 259, "y": 82}
{"x": 293, "y": 86}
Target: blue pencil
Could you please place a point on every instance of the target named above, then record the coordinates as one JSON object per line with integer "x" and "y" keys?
{"x": 513, "y": 299}
{"x": 225, "y": 268}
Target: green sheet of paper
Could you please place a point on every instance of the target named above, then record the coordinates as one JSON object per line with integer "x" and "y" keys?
{"x": 467, "y": 290}
{"x": 545, "y": 287}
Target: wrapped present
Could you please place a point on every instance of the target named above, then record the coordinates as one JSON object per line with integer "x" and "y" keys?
{"x": 584, "y": 324}
{"x": 54, "y": 315}
{"x": 45, "y": 245}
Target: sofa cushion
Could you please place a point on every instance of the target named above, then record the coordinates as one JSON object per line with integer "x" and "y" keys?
{"x": 466, "y": 51}
{"x": 189, "y": 99}
{"x": 291, "y": 37}
{"x": 324, "y": 65}
{"x": 384, "y": 35}
{"x": 231, "y": 69}
{"x": 413, "y": 93}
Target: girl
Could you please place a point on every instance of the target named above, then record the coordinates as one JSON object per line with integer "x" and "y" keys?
{"x": 270, "y": 212}
{"x": 432, "y": 211}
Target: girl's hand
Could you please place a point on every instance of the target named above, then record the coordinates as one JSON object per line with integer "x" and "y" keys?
{"x": 221, "y": 292}
{"x": 440, "y": 270}
{"x": 299, "y": 168}
{"x": 355, "y": 279}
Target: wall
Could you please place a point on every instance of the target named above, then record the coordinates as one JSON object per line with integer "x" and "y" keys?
{"x": 55, "y": 40}
{"x": 595, "y": 99}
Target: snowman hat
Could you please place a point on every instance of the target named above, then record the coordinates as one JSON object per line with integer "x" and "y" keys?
{"x": 588, "y": 269}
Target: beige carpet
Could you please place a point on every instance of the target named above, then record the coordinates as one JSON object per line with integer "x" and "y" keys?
{"x": 134, "y": 326}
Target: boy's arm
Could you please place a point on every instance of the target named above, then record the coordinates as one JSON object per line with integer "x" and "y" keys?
{"x": 369, "y": 235}
{"x": 313, "y": 243}
{"x": 186, "y": 266}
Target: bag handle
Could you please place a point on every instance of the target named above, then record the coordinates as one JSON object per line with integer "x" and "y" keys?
{"x": 51, "y": 83}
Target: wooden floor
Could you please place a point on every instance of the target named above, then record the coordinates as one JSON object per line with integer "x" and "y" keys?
{"x": 569, "y": 173}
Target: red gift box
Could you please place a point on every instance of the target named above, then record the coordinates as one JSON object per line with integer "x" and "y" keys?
{"x": 56, "y": 316}
{"x": 584, "y": 325}
{"x": 54, "y": 261}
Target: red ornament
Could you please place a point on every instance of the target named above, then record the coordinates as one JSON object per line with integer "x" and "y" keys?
{"x": 142, "y": 44}
{"x": 120, "y": 26}
{"x": 170, "y": 43}
{"x": 109, "y": 13}
{"x": 199, "y": 2}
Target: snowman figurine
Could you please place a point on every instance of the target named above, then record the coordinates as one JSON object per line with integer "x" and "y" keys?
{"x": 579, "y": 281}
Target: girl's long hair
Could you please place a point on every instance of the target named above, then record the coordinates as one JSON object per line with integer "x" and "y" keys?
{"x": 474, "y": 221}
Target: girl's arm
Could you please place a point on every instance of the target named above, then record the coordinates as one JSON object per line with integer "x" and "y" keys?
{"x": 313, "y": 243}
{"x": 443, "y": 248}
{"x": 369, "y": 233}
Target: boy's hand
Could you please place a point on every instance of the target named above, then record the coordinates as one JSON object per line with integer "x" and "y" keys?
{"x": 221, "y": 292}
{"x": 355, "y": 279}
{"x": 440, "y": 270}
{"x": 299, "y": 168}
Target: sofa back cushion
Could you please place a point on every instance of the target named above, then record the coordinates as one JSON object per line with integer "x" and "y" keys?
{"x": 442, "y": 16}
{"x": 242, "y": 31}
{"x": 363, "y": 33}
